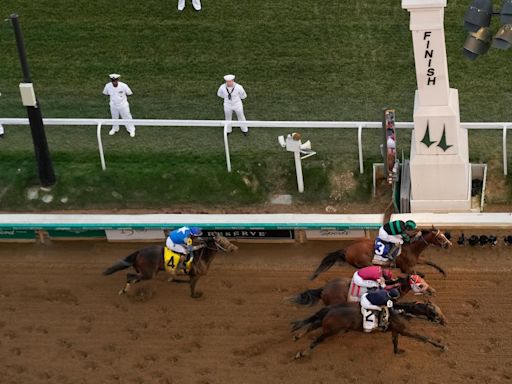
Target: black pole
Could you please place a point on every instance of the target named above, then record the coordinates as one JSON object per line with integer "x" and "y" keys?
{"x": 43, "y": 158}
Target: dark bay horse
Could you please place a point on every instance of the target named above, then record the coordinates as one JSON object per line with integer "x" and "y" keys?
{"x": 347, "y": 317}
{"x": 336, "y": 291}
{"x": 360, "y": 253}
{"x": 148, "y": 261}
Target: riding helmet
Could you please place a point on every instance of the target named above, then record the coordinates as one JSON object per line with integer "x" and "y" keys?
{"x": 410, "y": 224}
{"x": 196, "y": 231}
{"x": 394, "y": 293}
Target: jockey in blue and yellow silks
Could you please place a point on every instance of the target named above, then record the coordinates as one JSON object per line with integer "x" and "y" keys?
{"x": 180, "y": 241}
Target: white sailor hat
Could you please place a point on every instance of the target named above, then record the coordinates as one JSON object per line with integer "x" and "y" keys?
{"x": 114, "y": 76}
{"x": 229, "y": 77}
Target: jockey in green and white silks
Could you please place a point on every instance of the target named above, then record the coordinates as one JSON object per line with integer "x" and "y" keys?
{"x": 391, "y": 236}
{"x": 397, "y": 231}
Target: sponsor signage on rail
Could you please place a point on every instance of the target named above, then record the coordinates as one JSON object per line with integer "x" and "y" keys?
{"x": 74, "y": 234}
{"x": 252, "y": 234}
{"x": 18, "y": 235}
{"x": 135, "y": 235}
{"x": 335, "y": 234}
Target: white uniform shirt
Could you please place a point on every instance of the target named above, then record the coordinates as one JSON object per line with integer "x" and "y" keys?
{"x": 118, "y": 95}
{"x": 237, "y": 94}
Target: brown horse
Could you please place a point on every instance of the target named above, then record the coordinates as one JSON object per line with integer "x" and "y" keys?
{"x": 336, "y": 291}
{"x": 148, "y": 261}
{"x": 348, "y": 317}
{"x": 360, "y": 253}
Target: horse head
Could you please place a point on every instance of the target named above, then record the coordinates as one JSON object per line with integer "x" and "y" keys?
{"x": 434, "y": 313}
{"x": 419, "y": 286}
{"x": 435, "y": 236}
{"x": 223, "y": 244}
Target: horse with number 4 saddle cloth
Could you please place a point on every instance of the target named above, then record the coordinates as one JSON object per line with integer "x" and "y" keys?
{"x": 172, "y": 261}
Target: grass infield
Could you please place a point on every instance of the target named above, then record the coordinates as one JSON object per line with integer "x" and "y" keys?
{"x": 327, "y": 60}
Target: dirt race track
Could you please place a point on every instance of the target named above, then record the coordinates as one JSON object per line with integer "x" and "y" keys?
{"x": 62, "y": 322}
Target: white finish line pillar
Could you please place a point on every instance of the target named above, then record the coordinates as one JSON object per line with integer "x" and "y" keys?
{"x": 440, "y": 169}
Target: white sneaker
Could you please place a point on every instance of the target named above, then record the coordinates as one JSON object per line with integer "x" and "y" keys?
{"x": 132, "y": 134}
{"x": 196, "y": 4}
{"x": 113, "y": 131}
{"x": 181, "y": 5}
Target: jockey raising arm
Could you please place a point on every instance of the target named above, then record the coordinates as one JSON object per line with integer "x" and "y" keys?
{"x": 367, "y": 278}
{"x": 397, "y": 231}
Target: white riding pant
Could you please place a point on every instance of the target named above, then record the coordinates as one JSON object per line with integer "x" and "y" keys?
{"x": 239, "y": 110}
{"x": 358, "y": 287}
{"x": 370, "y": 321}
{"x": 195, "y": 3}
{"x": 176, "y": 247}
{"x": 1, "y": 129}
{"x": 395, "y": 239}
{"x": 124, "y": 112}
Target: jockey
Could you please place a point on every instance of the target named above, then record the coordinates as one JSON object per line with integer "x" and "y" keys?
{"x": 180, "y": 241}
{"x": 367, "y": 278}
{"x": 378, "y": 301}
{"x": 394, "y": 232}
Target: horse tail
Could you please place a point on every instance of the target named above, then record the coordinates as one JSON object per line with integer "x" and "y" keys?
{"x": 127, "y": 262}
{"x": 328, "y": 261}
{"x": 315, "y": 320}
{"x": 309, "y": 297}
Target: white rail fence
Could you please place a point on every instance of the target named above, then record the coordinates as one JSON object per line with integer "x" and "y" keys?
{"x": 359, "y": 125}
{"x": 250, "y": 221}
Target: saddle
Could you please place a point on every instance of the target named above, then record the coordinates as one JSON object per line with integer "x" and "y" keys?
{"x": 172, "y": 260}
{"x": 385, "y": 253}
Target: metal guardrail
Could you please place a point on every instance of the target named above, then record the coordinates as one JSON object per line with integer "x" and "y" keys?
{"x": 359, "y": 125}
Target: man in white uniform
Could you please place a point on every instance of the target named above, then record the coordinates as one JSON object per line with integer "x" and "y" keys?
{"x": 233, "y": 94}
{"x": 119, "y": 92}
{"x": 195, "y": 3}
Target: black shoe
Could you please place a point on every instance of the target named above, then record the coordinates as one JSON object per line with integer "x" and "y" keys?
{"x": 246, "y": 134}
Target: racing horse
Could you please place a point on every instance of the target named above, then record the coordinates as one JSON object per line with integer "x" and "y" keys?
{"x": 148, "y": 261}
{"x": 347, "y": 317}
{"x": 360, "y": 253}
{"x": 336, "y": 291}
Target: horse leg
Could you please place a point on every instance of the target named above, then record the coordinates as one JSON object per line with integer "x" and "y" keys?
{"x": 193, "y": 281}
{"x": 422, "y": 338}
{"x": 131, "y": 278}
{"x": 309, "y": 328}
{"x": 317, "y": 341}
{"x": 433, "y": 265}
{"x": 394, "y": 337}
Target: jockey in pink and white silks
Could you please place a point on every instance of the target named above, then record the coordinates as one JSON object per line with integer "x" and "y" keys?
{"x": 374, "y": 303}
{"x": 373, "y": 277}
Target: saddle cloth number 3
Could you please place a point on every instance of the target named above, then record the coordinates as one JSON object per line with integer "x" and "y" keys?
{"x": 380, "y": 248}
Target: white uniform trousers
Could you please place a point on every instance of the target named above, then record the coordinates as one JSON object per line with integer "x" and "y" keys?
{"x": 395, "y": 239}
{"x": 1, "y": 130}
{"x": 124, "y": 112}
{"x": 195, "y": 3}
{"x": 370, "y": 321}
{"x": 239, "y": 110}
{"x": 176, "y": 247}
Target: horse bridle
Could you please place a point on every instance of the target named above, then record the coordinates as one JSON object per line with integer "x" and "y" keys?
{"x": 445, "y": 241}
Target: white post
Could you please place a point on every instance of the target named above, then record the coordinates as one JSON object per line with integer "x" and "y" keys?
{"x": 505, "y": 150}
{"x": 226, "y": 147}
{"x": 100, "y": 147}
{"x": 360, "y": 145}
{"x": 298, "y": 170}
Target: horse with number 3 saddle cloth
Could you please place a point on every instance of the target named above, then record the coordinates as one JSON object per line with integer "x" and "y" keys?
{"x": 385, "y": 253}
